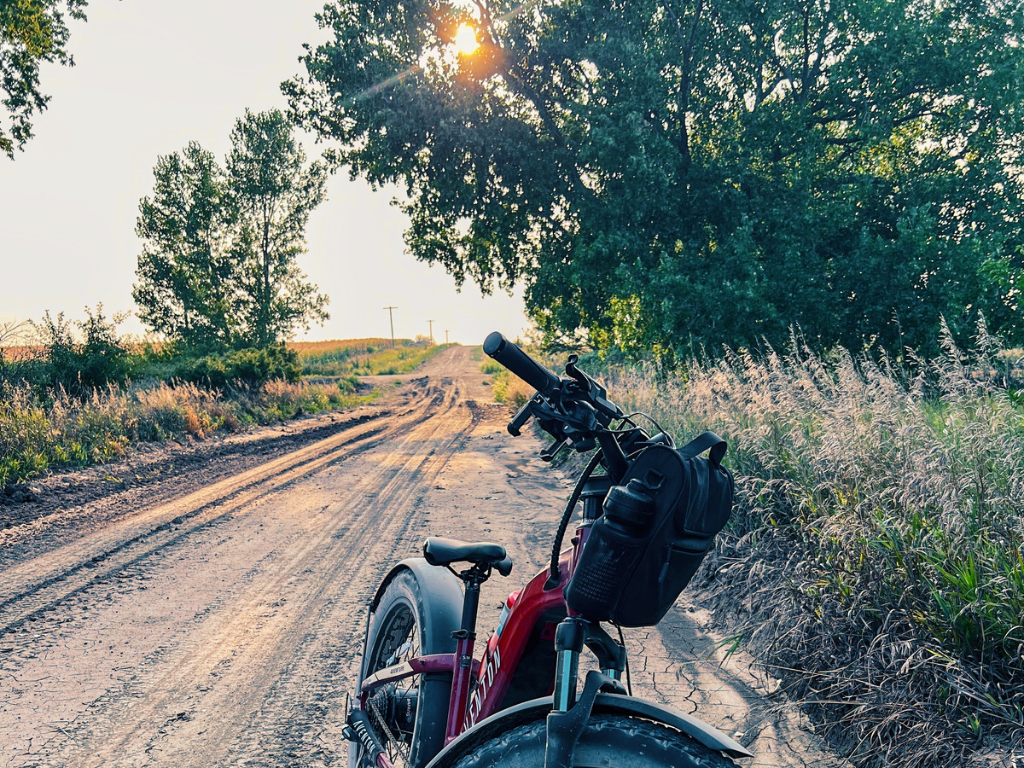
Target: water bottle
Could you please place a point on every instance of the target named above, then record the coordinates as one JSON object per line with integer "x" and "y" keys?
{"x": 612, "y": 551}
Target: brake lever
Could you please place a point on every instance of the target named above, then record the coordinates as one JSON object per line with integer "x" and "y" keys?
{"x": 576, "y": 373}
{"x": 594, "y": 393}
{"x": 550, "y": 419}
{"x": 519, "y": 420}
{"x": 549, "y": 452}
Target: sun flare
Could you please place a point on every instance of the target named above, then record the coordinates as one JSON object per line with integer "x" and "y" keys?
{"x": 465, "y": 40}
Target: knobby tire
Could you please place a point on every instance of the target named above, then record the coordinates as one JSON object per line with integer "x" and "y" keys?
{"x": 609, "y": 741}
{"x": 396, "y": 621}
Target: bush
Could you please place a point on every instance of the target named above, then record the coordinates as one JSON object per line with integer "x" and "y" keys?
{"x": 349, "y": 384}
{"x": 243, "y": 368}
{"x": 80, "y": 368}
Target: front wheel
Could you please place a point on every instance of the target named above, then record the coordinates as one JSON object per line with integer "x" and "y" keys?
{"x": 409, "y": 717}
{"x": 608, "y": 740}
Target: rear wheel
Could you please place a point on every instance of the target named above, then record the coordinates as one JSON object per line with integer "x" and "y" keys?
{"x": 609, "y": 741}
{"x": 410, "y": 716}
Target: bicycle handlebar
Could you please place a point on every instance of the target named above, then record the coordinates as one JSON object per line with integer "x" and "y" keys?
{"x": 521, "y": 364}
{"x": 575, "y": 411}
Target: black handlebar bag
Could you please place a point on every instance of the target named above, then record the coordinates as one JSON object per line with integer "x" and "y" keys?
{"x": 634, "y": 581}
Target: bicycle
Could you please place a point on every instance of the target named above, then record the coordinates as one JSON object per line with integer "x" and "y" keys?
{"x": 422, "y": 699}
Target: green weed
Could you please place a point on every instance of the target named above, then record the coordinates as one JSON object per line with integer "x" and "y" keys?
{"x": 491, "y": 367}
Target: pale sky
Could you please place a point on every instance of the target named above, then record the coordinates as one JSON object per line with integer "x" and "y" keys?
{"x": 150, "y": 76}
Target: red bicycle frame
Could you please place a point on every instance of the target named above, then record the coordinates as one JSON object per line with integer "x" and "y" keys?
{"x": 479, "y": 687}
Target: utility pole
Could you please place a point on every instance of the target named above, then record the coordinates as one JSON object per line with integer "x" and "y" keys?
{"x": 431, "y": 331}
{"x": 445, "y": 335}
{"x": 392, "y": 318}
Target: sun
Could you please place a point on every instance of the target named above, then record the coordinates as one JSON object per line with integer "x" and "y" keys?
{"x": 465, "y": 40}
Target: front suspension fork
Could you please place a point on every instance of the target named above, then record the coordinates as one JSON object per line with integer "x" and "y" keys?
{"x": 571, "y": 636}
{"x": 568, "y": 716}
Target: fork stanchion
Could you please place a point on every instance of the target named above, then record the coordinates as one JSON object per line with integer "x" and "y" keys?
{"x": 569, "y": 639}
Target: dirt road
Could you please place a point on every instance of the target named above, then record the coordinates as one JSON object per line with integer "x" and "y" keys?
{"x": 203, "y": 606}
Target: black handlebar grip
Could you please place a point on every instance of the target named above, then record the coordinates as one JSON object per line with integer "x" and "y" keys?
{"x": 521, "y": 364}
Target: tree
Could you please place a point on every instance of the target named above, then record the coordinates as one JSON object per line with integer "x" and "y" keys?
{"x": 218, "y": 266}
{"x": 31, "y": 32}
{"x": 186, "y": 271}
{"x": 663, "y": 172}
{"x": 272, "y": 193}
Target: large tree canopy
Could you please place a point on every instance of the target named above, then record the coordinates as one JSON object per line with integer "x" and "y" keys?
{"x": 660, "y": 172}
{"x": 31, "y": 32}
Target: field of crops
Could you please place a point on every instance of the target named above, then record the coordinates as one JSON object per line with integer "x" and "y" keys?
{"x": 362, "y": 357}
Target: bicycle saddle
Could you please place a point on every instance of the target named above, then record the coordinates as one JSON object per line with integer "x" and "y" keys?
{"x": 441, "y": 551}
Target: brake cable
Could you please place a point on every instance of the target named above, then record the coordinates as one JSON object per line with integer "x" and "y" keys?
{"x": 556, "y": 550}
{"x": 651, "y": 419}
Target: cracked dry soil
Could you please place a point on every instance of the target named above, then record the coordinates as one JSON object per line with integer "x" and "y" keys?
{"x": 203, "y": 605}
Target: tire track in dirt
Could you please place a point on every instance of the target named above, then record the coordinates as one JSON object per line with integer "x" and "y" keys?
{"x": 285, "y": 730}
{"x": 39, "y": 585}
{"x": 269, "y": 618}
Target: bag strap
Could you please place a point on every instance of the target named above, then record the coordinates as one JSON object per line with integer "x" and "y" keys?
{"x": 708, "y": 441}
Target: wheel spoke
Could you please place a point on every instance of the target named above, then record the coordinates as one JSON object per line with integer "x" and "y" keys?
{"x": 399, "y": 641}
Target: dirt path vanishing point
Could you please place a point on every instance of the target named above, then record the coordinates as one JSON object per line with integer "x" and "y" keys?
{"x": 204, "y": 606}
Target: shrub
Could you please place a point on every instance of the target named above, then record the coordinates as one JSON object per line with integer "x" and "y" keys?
{"x": 81, "y": 367}
{"x": 349, "y": 384}
{"x": 245, "y": 368}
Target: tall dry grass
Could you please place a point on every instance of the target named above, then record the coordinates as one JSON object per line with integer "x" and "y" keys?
{"x": 38, "y": 434}
{"x": 876, "y": 562}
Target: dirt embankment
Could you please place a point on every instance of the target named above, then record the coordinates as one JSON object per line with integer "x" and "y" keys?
{"x": 204, "y": 604}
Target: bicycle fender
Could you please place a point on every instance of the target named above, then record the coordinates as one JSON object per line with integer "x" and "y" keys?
{"x": 605, "y": 703}
{"x": 441, "y": 593}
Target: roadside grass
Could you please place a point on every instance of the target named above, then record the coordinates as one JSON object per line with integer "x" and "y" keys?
{"x": 876, "y": 558}
{"x": 510, "y": 389}
{"x": 397, "y": 360}
{"x": 40, "y": 434}
{"x": 338, "y": 357}
{"x": 491, "y": 367}
{"x": 43, "y": 430}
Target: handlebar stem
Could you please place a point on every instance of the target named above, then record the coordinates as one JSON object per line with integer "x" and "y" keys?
{"x": 614, "y": 459}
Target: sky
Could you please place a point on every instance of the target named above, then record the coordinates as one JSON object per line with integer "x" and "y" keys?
{"x": 150, "y": 76}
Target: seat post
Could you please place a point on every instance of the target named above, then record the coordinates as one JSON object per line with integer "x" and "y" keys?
{"x": 462, "y": 678}
{"x": 471, "y": 606}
